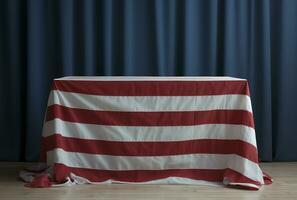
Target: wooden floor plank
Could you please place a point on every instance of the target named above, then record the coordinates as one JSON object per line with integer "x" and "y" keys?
{"x": 284, "y": 187}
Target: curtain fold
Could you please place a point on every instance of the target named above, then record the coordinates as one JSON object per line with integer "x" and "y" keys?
{"x": 44, "y": 39}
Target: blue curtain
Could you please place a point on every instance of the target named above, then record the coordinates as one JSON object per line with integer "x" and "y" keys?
{"x": 44, "y": 39}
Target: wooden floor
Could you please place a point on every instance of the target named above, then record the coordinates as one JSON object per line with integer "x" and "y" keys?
{"x": 284, "y": 187}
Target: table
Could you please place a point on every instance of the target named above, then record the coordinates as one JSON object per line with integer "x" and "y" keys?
{"x": 152, "y": 130}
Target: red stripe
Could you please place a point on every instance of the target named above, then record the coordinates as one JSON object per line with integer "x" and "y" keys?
{"x": 117, "y": 148}
{"x": 153, "y": 88}
{"x": 267, "y": 179}
{"x": 61, "y": 171}
{"x": 150, "y": 118}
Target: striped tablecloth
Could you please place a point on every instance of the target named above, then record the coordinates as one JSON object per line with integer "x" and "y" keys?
{"x": 172, "y": 130}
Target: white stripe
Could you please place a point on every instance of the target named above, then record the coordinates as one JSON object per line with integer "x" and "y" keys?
{"x": 150, "y": 103}
{"x": 189, "y": 161}
{"x": 154, "y": 133}
{"x": 170, "y": 180}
